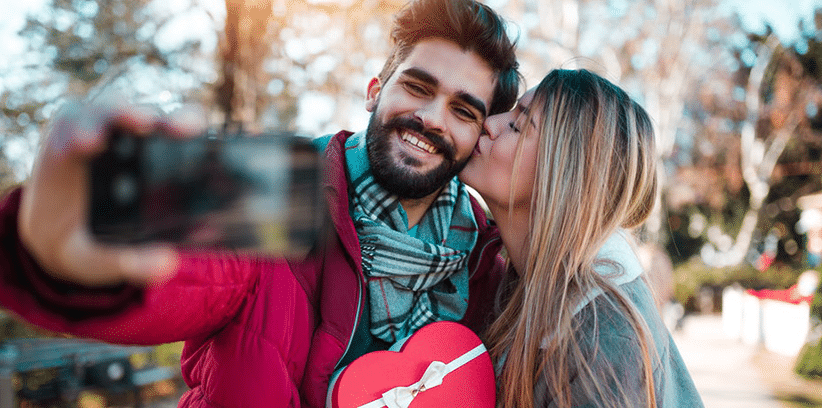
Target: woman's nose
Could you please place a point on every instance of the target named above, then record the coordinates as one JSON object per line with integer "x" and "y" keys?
{"x": 495, "y": 125}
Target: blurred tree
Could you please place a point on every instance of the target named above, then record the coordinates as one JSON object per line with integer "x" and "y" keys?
{"x": 244, "y": 48}
{"x": 300, "y": 65}
{"x": 734, "y": 113}
{"x": 83, "y": 49}
{"x": 304, "y": 65}
{"x": 324, "y": 52}
{"x": 759, "y": 151}
{"x": 657, "y": 50}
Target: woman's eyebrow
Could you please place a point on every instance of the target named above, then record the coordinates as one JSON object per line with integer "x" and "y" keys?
{"x": 526, "y": 110}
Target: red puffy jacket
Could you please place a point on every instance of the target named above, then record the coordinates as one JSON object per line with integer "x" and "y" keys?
{"x": 258, "y": 332}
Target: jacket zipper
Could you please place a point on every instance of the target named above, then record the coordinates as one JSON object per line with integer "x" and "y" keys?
{"x": 356, "y": 321}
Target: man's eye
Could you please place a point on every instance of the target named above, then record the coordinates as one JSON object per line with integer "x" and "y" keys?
{"x": 464, "y": 113}
{"x": 416, "y": 89}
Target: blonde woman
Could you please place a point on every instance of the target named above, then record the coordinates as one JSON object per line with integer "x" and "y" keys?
{"x": 566, "y": 175}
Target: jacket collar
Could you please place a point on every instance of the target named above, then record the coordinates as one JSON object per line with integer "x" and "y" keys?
{"x": 335, "y": 188}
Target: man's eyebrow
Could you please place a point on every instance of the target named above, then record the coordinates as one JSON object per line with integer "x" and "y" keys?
{"x": 421, "y": 75}
{"x": 472, "y": 100}
{"x": 424, "y": 76}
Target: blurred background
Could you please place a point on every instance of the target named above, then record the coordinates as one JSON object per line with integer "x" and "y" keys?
{"x": 734, "y": 88}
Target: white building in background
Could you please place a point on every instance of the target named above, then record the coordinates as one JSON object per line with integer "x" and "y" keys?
{"x": 779, "y": 320}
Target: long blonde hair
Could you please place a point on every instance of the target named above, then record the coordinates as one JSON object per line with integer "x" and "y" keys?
{"x": 596, "y": 173}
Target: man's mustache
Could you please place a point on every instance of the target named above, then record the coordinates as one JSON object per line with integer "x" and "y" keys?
{"x": 439, "y": 142}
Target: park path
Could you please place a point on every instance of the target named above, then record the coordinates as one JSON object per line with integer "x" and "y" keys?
{"x": 727, "y": 372}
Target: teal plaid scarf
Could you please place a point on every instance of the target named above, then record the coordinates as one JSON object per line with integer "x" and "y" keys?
{"x": 412, "y": 280}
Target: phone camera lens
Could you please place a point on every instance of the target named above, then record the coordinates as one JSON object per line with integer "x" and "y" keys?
{"x": 124, "y": 189}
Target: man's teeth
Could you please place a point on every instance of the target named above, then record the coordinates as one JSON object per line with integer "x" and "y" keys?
{"x": 419, "y": 143}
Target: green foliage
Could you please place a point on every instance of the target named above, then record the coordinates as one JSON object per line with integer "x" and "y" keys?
{"x": 692, "y": 276}
{"x": 809, "y": 360}
{"x": 12, "y": 327}
{"x": 168, "y": 354}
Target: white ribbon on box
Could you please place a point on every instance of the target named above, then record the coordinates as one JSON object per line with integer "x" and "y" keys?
{"x": 401, "y": 397}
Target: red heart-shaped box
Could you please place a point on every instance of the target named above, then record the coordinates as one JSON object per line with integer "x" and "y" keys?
{"x": 470, "y": 385}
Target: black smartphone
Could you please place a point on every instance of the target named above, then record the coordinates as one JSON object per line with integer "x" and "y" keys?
{"x": 257, "y": 193}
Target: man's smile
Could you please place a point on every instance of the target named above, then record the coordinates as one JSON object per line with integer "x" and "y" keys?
{"x": 414, "y": 140}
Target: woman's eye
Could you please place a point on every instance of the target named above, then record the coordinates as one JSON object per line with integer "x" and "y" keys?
{"x": 513, "y": 127}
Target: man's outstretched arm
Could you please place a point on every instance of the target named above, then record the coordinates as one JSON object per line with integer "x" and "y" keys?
{"x": 54, "y": 207}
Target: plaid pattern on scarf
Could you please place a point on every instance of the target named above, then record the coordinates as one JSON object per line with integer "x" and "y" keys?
{"x": 412, "y": 280}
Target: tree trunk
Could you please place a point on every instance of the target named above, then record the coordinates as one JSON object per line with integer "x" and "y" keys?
{"x": 243, "y": 51}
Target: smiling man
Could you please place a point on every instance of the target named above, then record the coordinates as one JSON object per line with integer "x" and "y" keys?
{"x": 407, "y": 244}
{"x": 426, "y": 120}
{"x": 422, "y": 237}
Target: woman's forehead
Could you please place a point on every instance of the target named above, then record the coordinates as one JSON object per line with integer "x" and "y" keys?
{"x": 527, "y": 97}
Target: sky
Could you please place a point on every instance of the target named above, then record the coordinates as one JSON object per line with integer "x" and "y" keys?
{"x": 782, "y": 15}
{"x": 11, "y": 21}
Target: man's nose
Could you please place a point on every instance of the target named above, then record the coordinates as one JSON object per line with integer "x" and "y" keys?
{"x": 432, "y": 115}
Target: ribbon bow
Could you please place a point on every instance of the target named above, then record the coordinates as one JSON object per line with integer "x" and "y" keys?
{"x": 401, "y": 397}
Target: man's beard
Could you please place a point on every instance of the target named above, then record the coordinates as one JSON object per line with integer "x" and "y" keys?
{"x": 398, "y": 180}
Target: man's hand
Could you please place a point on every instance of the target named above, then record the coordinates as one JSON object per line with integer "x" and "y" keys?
{"x": 53, "y": 219}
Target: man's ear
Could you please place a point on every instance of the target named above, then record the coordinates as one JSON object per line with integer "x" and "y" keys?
{"x": 372, "y": 94}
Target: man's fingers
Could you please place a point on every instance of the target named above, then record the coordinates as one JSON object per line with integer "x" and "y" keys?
{"x": 53, "y": 219}
{"x": 84, "y": 129}
{"x": 81, "y": 131}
